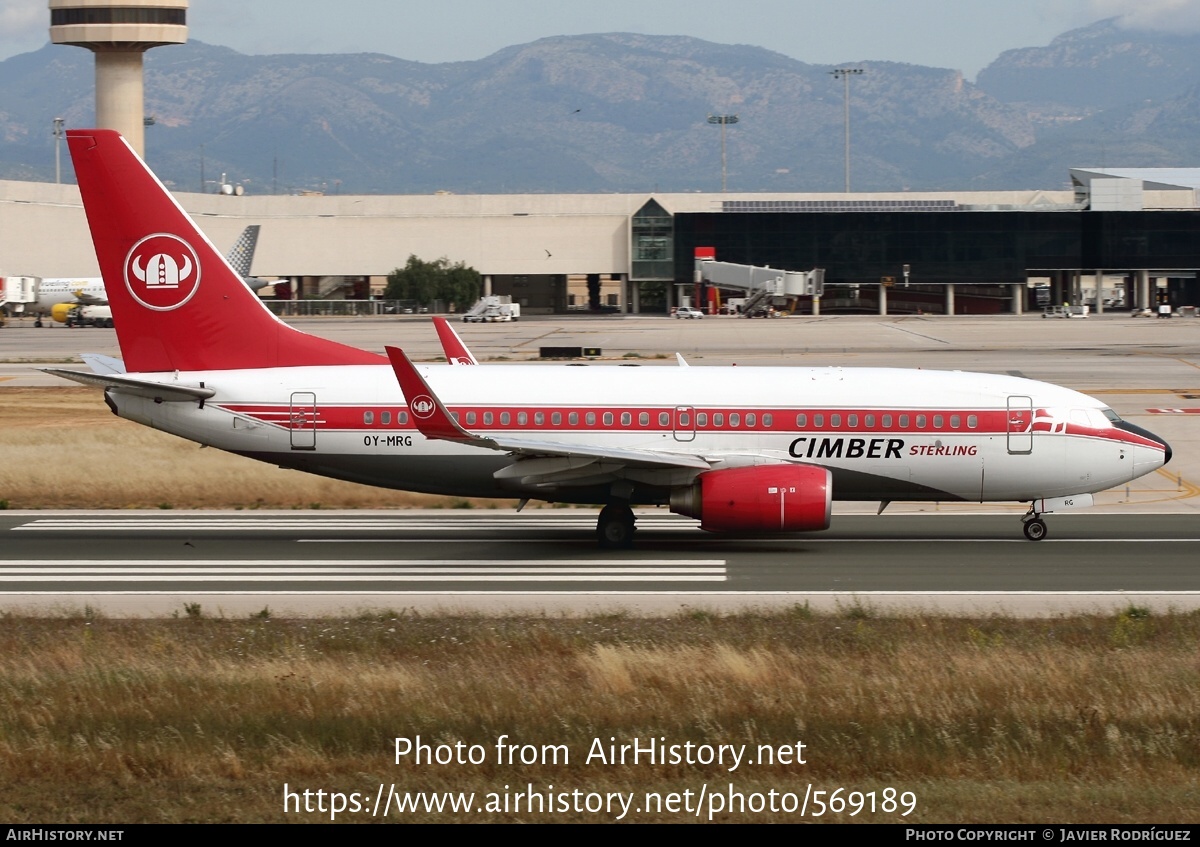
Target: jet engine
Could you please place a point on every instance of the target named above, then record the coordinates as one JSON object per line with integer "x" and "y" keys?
{"x": 763, "y": 498}
{"x": 61, "y": 311}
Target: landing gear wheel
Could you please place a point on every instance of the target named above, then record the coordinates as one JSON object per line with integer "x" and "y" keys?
{"x": 614, "y": 527}
{"x": 1035, "y": 529}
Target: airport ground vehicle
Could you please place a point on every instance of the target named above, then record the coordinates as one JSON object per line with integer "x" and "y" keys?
{"x": 96, "y": 316}
{"x": 493, "y": 309}
{"x": 761, "y": 450}
{"x": 688, "y": 312}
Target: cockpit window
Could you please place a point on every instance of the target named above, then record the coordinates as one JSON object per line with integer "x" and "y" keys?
{"x": 1111, "y": 415}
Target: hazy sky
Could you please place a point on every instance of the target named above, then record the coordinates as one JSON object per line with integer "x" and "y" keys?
{"x": 961, "y": 34}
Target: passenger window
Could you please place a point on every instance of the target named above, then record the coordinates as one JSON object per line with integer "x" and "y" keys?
{"x": 852, "y": 421}
{"x": 818, "y": 421}
{"x": 664, "y": 419}
{"x": 470, "y": 419}
{"x": 869, "y": 421}
{"x": 608, "y": 418}
{"x": 368, "y": 418}
{"x": 487, "y": 419}
{"x": 556, "y": 418}
{"x": 801, "y": 421}
{"x": 835, "y": 421}
{"x": 972, "y": 421}
{"x": 685, "y": 419}
{"x": 750, "y": 419}
{"x": 904, "y": 421}
{"x": 955, "y": 421}
{"x": 505, "y": 418}
{"x": 767, "y": 419}
{"x": 539, "y": 418}
{"x": 734, "y": 419}
{"x": 626, "y": 419}
{"x": 718, "y": 419}
{"x": 887, "y": 421}
{"x": 920, "y": 421}
{"x": 385, "y": 418}
{"x": 402, "y": 418}
{"x": 938, "y": 421}
{"x": 590, "y": 418}
{"x": 644, "y": 418}
{"x": 522, "y": 418}
{"x": 701, "y": 418}
{"x": 573, "y": 418}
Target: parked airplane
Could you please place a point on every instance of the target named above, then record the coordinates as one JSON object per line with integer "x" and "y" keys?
{"x": 742, "y": 449}
{"x": 59, "y": 297}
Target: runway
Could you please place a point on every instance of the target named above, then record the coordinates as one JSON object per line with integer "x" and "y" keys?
{"x": 547, "y": 561}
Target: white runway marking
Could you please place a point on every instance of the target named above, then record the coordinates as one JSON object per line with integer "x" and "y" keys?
{"x": 510, "y": 523}
{"x": 311, "y": 523}
{"x": 418, "y": 570}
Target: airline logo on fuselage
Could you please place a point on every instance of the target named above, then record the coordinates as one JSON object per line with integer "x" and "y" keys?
{"x": 846, "y": 448}
{"x": 162, "y": 272}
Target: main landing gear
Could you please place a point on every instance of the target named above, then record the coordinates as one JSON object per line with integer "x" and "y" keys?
{"x": 614, "y": 527}
{"x": 1035, "y": 527}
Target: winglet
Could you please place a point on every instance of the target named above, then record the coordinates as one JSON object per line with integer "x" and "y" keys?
{"x": 429, "y": 415}
{"x": 456, "y": 352}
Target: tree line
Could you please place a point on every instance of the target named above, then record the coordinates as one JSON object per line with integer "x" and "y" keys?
{"x": 438, "y": 281}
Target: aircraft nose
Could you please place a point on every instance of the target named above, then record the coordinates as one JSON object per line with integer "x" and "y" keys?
{"x": 1145, "y": 433}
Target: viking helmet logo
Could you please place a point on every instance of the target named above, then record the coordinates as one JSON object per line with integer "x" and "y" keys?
{"x": 162, "y": 272}
{"x": 422, "y": 406}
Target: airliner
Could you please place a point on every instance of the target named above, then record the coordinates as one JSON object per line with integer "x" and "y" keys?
{"x": 743, "y": 450}
{"x": 58, "y": 297}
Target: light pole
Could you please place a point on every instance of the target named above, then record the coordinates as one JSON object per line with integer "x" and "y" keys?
{"x": 58, "y": 136}
{"x": 724, "y": 121}
{"x": 844, "y": 74}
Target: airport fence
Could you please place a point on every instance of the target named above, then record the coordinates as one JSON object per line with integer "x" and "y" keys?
{"x": 347, "y": 308}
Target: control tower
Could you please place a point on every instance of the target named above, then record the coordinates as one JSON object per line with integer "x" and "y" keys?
{"x": 119, "y": 33}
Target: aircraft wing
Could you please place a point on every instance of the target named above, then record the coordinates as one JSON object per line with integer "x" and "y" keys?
{"x": 165, "y": 391}
{"x": 434, "y": 421}
{"x": 89, "y": 299}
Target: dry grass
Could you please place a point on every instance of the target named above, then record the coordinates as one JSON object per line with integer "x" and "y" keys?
{"x": 1088, "y": 719}
{"x": 63, "y": 449}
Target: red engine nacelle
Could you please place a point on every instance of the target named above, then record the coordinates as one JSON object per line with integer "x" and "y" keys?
{"x": 764, "y": 498}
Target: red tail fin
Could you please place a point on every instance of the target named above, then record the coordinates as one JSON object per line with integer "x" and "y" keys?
{"x": 176, "y": 303}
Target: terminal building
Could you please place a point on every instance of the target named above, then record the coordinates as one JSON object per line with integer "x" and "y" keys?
{"x": 1123, "y": 238}
{"x": 1135, "y": 231}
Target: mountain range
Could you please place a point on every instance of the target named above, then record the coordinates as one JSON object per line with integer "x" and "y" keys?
{"x": 620, "y": 112}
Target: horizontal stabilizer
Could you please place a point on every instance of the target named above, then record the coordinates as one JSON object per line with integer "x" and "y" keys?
{"x": 164, "y": 391}
{"x": 103, "y": 364}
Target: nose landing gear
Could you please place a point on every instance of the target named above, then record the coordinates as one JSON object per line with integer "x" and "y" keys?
{"x": 1035, "y": 527}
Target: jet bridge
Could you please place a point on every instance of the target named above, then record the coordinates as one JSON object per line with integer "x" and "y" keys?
{"x": 761, "y": 284}
{"x": 17, "y": 293}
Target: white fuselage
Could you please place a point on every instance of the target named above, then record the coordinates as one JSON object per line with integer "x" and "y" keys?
{"x": 53, "y": 292}
{"x": 884, "y": 434}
